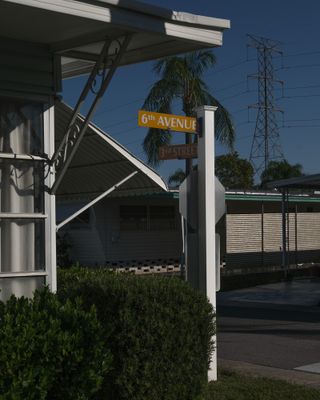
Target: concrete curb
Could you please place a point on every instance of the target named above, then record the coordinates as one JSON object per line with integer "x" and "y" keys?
{"x": 291, "y": 376}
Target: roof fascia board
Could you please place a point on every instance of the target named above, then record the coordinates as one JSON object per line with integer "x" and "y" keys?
{"x": 260, "y": 198}
{"x": 299, "y": 182}
{"x": 126, "y": 19}
{"x": 178, "y": 16}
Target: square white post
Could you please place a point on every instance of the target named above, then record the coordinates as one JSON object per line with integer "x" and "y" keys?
{"x": 206, "y": 216}
{"x": 50, "y": 202}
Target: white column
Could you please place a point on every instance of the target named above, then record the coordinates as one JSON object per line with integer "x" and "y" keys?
{"x": 206, "y": 193}
{"x": 50, "y": 203}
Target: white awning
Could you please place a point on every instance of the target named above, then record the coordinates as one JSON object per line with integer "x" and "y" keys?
{"x": 77, "y": 29}
{"x": 101, "y": 162}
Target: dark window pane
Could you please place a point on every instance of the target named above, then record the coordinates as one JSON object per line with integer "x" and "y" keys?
{"x": 162, "y": 218}
{"x": 20, "y": 286}
{"x": 22, "y": 246}
{"x": 21, "y": 127}
{"x": 133, "y": 218}
{"x": 21, "y": 186}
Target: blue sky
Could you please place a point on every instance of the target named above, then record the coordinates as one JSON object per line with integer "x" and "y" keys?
{"x": 293, "y": 23}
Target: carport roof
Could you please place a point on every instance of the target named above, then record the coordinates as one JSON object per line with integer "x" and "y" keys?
{"x": 101, "y": 162}
{"x": 77, "y": 29}
{"x": 301, "y": 182}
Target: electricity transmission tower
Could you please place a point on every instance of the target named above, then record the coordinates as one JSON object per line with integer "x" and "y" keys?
{"x": 266, "y": 145}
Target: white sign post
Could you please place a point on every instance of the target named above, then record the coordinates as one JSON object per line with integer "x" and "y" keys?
{"x": 206, "y": 213}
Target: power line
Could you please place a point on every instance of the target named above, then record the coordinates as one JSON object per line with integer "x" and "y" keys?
{"x": 300, "y": 54}
{"x": 118, "y": 106}
{"x": 237, "y": 95}
{"x": 298, "y": 66}
{"x": 229, "y": 67}
{"x": 229, "y": 87}
{"x": 300, "y": 126}
{"x": 298, "y": 96}
{"x": 302, "y": 120}
{"x": 106, "y": 127}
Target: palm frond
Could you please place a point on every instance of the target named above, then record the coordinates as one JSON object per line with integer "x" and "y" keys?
{"x": 161, "y": 95}
{"x": 177, "y": 177}
{"x": 199, "y": 61}
{"x": 151, "y": 143}
{"x": 224, "y": 128}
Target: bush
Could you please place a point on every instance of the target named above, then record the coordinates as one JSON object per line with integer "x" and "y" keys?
{"x": 159, "y": 331}
{"x": 50, "y": 350}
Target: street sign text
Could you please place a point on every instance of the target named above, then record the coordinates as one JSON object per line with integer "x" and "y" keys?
{"x": 180, "y": 151}
{"x": 167, "y": 121}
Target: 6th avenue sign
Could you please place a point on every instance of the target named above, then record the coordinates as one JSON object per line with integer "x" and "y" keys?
{"x": 170, "y": 122}
{"x": 173, "y": 123}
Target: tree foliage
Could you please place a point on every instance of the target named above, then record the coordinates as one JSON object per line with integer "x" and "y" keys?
{"x": 234, "y": 172}
{"x": 181, "y": 80}
{"x": 277, "y": 170}
{"x": 177, "y": 178}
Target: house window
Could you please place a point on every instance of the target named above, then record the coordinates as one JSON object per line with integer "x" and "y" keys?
{"x": 162, "y": 218}
{"x": 133, "y": 218}
{"x": 147, "y": 218}
{"x": 22, "y": 209}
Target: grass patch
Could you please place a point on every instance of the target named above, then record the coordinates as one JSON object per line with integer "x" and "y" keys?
{"x": 232, "y": 386}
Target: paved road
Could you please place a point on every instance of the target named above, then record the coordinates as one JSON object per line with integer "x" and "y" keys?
{"x": 278, "y": 335}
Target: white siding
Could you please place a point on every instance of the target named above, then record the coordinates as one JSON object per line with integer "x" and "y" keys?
{"x": 135, "y": 245}
{"x": 104, "y": 242}
{"x": 26, "y": 67}
{"x": 243, "y": 233}
{"x": 309, "y": 231}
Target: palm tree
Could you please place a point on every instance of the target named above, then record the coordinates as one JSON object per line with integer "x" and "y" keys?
{"x": 277, "y": 170}
{"x": 181, "y": 79}
{"x": 177, "y": 178}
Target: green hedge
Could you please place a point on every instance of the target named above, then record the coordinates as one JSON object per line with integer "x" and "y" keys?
{"x": 50, "y": 350}
{"x": 159, "y": 331}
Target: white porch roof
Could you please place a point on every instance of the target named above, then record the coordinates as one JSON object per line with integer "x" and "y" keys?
{"x": 101, "y": 162}
{"x": 76, "y": 29}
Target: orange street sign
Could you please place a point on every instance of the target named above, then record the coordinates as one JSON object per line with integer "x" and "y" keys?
{"x": 180, "y": 151}
{"x": 170, "y": 122}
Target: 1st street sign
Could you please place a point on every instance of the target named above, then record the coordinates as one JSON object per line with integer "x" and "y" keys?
{"x": 167, "y": 122}
{"x": 179, "y": 151}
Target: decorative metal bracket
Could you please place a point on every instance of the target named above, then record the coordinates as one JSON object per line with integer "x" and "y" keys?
{"x": 104, "y": 69}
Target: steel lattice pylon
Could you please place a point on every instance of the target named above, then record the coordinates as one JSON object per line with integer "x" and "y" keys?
{"x": 266, "y": 144}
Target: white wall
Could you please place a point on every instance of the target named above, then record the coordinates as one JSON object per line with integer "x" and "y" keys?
{"x": 103, "y": 240}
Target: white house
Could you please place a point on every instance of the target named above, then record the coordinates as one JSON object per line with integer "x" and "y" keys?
{"x": 137, "y": 224}
{"x": 42, "y": 42}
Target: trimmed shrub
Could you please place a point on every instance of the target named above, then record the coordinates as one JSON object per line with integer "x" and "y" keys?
{"x": 159, "y": 331}
{"x": 50, "y": 350}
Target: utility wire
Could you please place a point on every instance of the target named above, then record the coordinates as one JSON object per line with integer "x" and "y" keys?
{"x": 298, "y": 66}
{"x": 300, "y": 126}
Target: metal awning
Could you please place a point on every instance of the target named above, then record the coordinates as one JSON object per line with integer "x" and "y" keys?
{"x": 77, "y": 30}
{"x": 301, "y": 182}
{"x": 100, "y": 163}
